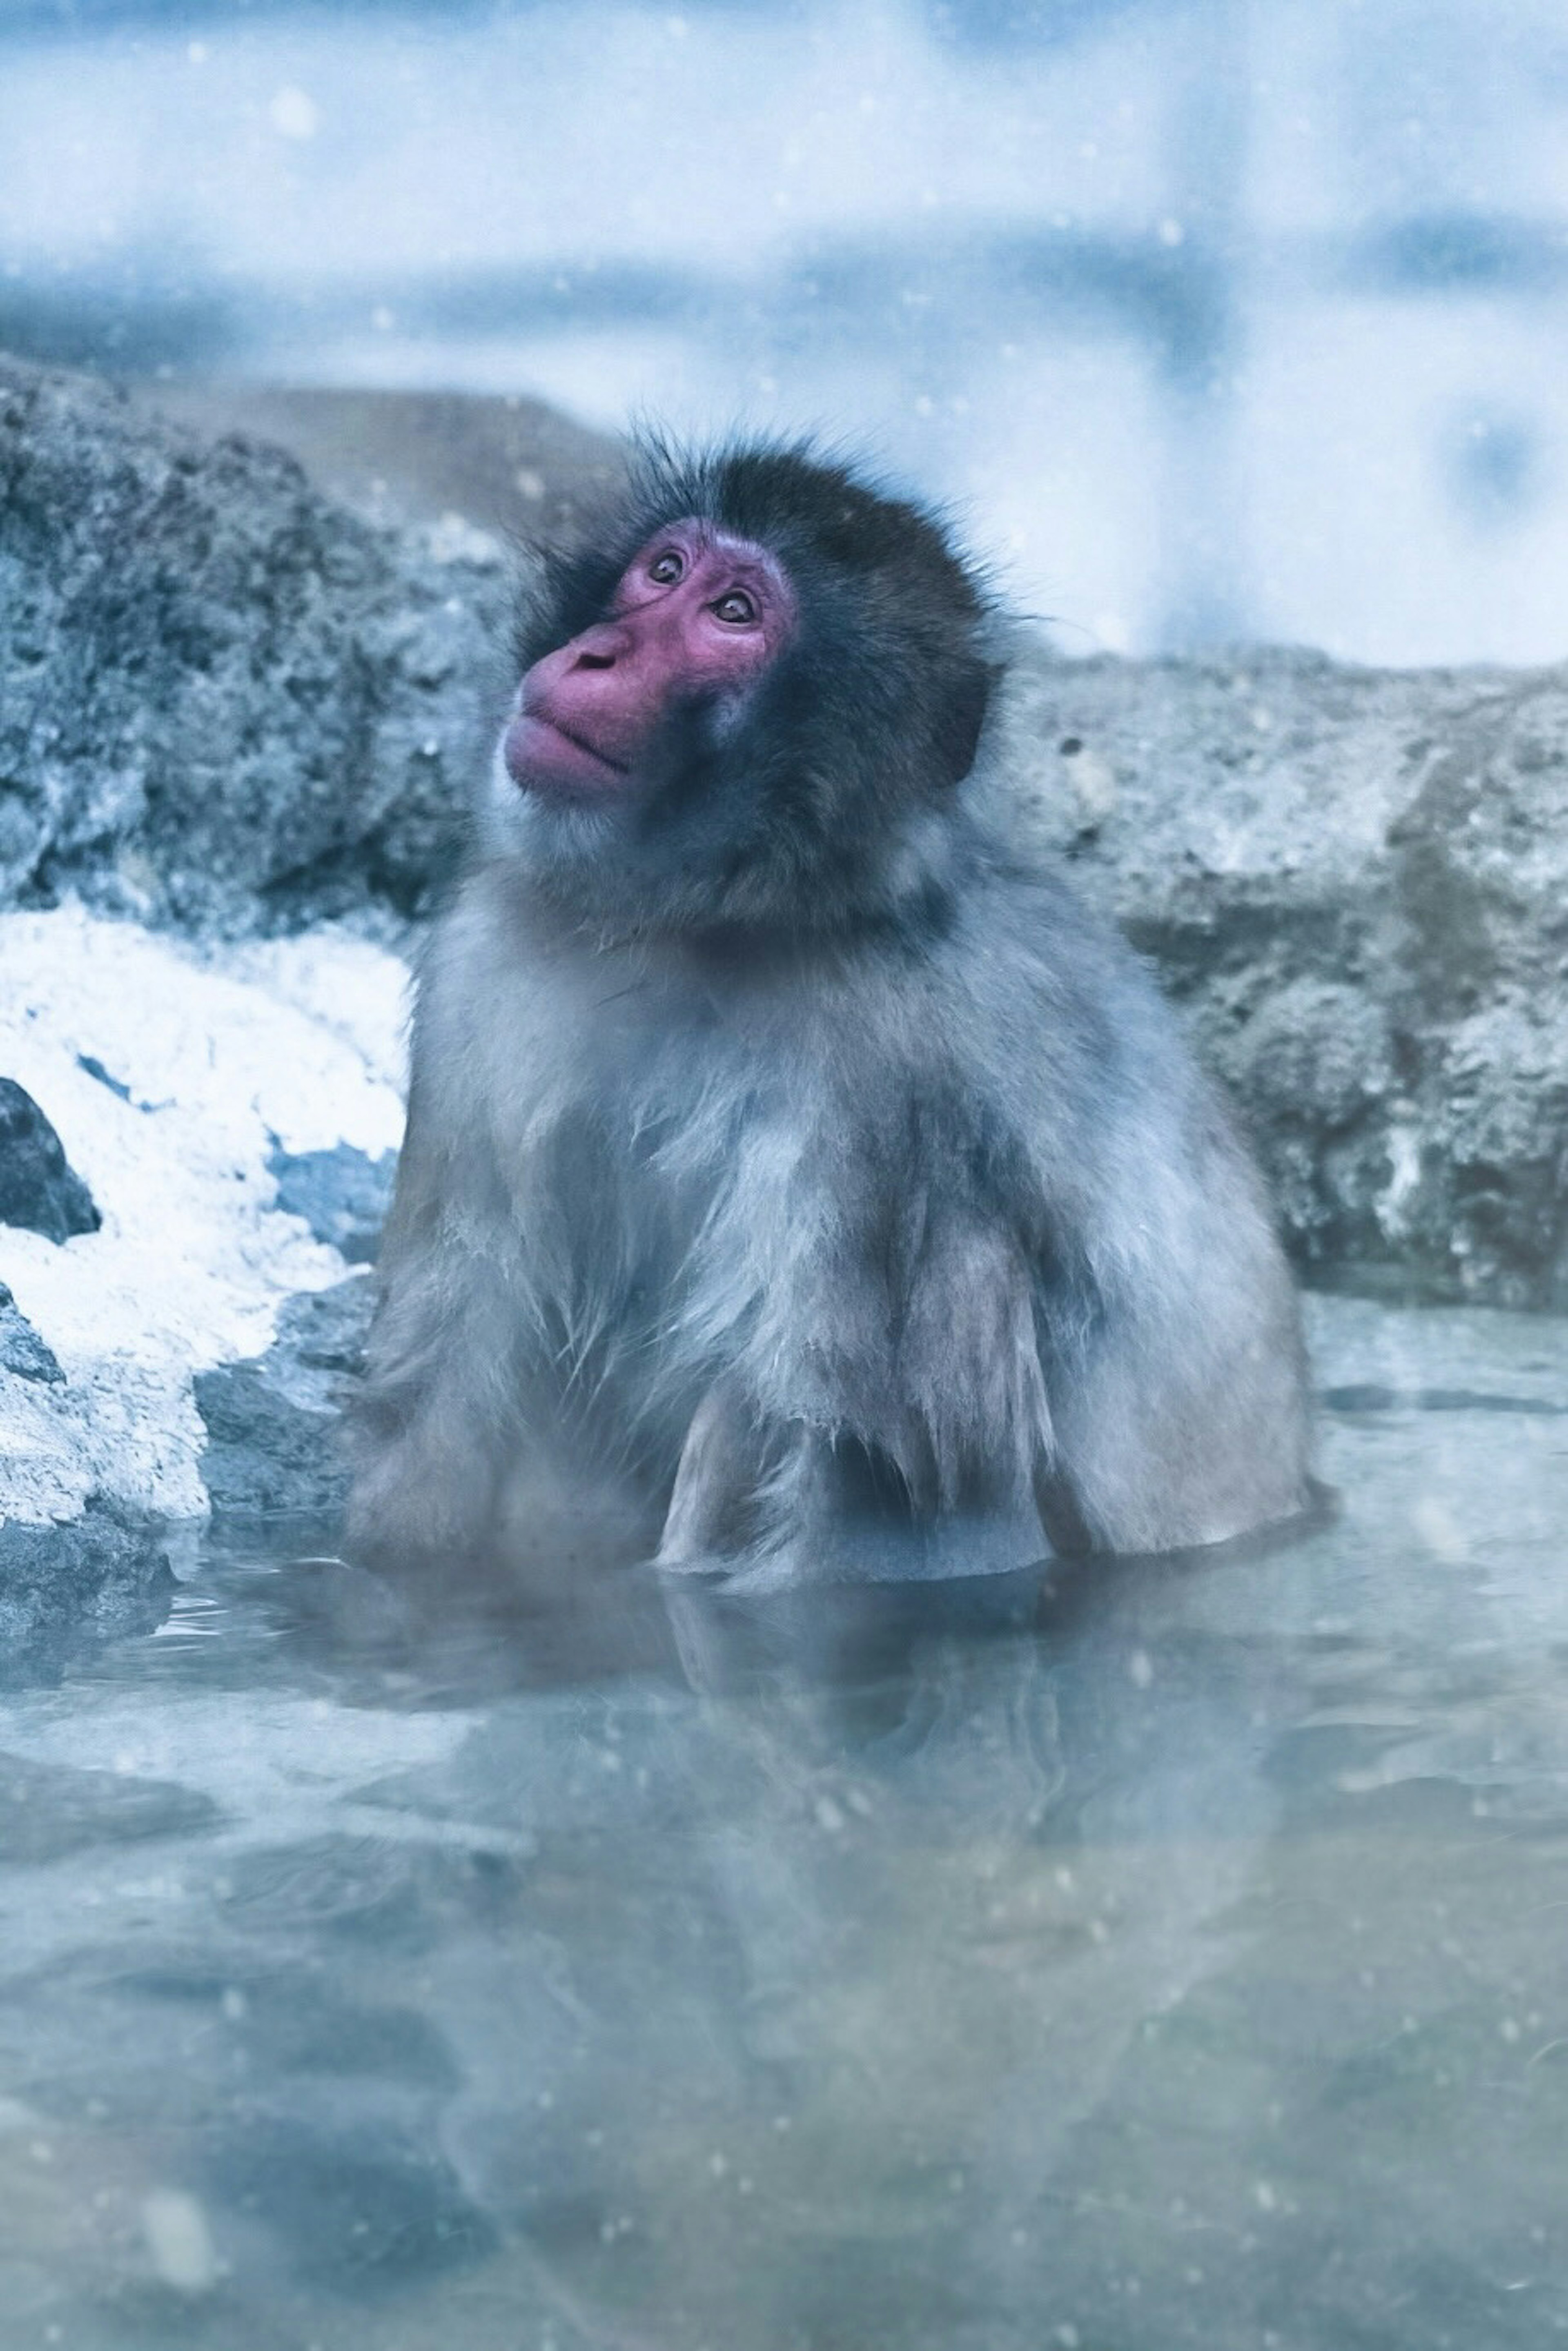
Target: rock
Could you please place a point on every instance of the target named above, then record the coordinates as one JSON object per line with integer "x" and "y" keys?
{"x": 225, "y": 703}
{"x": 343, "y": 1194}
{"x": 64, "y": 1591}
{"x": 38, "y": 1188}
{"x": 1357, "y": 882}
{"x": 21, "y": 1349}
{"x": 273, "y": 1423}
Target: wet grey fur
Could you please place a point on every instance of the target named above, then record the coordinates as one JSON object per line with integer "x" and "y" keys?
{"x": 742, "y": 1239}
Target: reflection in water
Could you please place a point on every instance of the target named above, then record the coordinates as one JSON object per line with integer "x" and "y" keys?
{"x": 1139, "y": 1955}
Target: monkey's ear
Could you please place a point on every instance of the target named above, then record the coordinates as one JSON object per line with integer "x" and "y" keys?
{"x": 962, "y": 716}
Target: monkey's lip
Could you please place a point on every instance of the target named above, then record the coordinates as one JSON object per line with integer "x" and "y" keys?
{"x": 540, "y": 748}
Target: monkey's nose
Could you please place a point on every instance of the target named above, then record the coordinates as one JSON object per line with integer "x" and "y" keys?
{"x": 600, "y": 647}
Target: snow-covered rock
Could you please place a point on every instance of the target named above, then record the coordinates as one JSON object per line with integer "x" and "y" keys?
{"x": 178, "y": 1078}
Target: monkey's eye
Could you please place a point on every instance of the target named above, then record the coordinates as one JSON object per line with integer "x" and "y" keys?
{"x": 736, "y": 608}
{"x": 668, "y": 567}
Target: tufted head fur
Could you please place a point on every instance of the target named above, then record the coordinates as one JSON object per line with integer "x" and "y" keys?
{"x": 819, "y": 796}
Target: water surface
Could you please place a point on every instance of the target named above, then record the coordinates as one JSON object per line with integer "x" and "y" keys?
{"x": 1137, "y": 1956}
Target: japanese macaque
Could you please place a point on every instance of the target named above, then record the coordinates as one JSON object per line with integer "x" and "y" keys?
{"x": 790, "y": 1156}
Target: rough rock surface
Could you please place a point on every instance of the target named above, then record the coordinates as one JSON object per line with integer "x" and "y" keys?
{"x": 66, "y": 1589}
{"x": 22, "y": 1352}
{"x": 1357, "y": 883}
{"x": 343, "y": 1195}
{"x": 225, "y": 703}
{"x": 273, "y": 1423}
{"x": 39, "y": 1189}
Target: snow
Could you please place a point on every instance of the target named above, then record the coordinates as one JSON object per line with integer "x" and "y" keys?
{"x": 224, "y": 1053}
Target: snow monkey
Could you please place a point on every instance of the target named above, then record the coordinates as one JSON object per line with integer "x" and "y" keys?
{"x": 789, "y": 1150}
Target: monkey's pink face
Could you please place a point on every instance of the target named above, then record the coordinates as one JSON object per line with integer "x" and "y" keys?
{"x": 698, "y": 614}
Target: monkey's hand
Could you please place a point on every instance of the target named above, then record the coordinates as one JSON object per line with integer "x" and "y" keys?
{"x": 714, "y": 1485}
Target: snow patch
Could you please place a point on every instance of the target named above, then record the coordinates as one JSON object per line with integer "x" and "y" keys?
{"x": 223, "y": 1053}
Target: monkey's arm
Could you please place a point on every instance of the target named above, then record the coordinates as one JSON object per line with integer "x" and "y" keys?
{"x": 431, "y": 1428}
{"x": 909, "y": 1393}
{"x": 1177, "y": 1374}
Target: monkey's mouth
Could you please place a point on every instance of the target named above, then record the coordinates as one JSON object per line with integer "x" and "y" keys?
{"x": 540, "y": 752}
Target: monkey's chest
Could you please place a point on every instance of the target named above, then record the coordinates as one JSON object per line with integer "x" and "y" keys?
{"x": 670, "y": 1190}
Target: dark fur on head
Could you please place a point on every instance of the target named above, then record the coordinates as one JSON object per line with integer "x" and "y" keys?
{"x": 822, "y": 802}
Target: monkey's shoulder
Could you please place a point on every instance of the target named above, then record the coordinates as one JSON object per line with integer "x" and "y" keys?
{"x": 1031, "y": 977}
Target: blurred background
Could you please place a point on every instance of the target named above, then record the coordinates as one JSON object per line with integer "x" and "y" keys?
{"x": 1212, "y": 318}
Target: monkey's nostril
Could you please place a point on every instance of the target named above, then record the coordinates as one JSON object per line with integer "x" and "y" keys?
{"x": 594, "y": 661}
